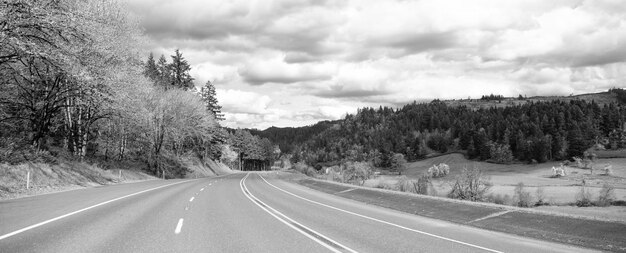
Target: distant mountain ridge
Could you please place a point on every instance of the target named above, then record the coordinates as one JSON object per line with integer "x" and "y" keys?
{"x": 601, "y": 98}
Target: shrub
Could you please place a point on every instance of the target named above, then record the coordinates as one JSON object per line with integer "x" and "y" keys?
{"x": 310, "y": 171}
{"x": 541, "y": 197}
{"x": 586, "y": 162}
{"x": 398, "y": 163}
{"x": 583, "y": 197}
{"x": 499, "y": 199}
{"x": 356, "y": 172}
{"x": 606, "y": 196}
{"x": 334, "y": 174}
{"x": 440, "y": 170}
{"x": 408, "y": 185}
{"x": 300, "y": 167}
{"x": 168, "y": 165}
{"x": 425, "y": 185}
{"x": 501, "y": 153}
{"x": 558, "y": 172}
{"x": 14, "y": 154}
{"x": 522, "y": 197}
{"x": 618, "y": 203}
{"x": 384, "y": 185}
{"x": 608, "y": 170}
{"x": 470, "y": 185}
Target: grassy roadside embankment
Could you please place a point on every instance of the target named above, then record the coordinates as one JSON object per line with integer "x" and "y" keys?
{"x": 45, "y": 178}
{"x": 569, "y": 229}
{"x": 69, "y": 175}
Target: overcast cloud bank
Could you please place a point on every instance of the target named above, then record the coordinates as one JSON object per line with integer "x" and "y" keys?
{"x": 291, "y": 63}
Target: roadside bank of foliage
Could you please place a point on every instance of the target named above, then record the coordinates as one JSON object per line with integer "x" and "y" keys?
{"x": 75, "y": 87}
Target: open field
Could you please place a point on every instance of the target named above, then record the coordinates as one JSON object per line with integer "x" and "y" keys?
{"x": 559, "y": 192}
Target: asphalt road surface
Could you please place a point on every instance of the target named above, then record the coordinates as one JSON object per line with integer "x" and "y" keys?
{"x": 236, "y": 213}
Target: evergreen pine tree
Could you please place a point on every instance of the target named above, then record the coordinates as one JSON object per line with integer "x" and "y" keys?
{"x": 577, "y": 144}
{"x": 210, "y": 99}
{"x": 180, "y": 72}
{"x": 471, "y": 149}
{"x": 150, "y": 69}
{"x": 163, "y": 71}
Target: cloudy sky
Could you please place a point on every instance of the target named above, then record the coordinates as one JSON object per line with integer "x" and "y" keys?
{"x": 296, "y": 62}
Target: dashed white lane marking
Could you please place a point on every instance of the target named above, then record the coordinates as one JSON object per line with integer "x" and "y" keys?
{"x": 84, "y": 209}
{"x": 179, "y": 226}
{"x": 187, "y": 208}
{"x": 381, "y": 221}
{"x": 202, "y": 189}
{"x": 306, "y": 231}
{"x": 191, "y": 199}
{"x": 210, "y": 183}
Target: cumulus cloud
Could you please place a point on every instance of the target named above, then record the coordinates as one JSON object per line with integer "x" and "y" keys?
{"x": 278, "y": 71}
{"x": 244, "y": 102}
{"x": 274, "y": 61}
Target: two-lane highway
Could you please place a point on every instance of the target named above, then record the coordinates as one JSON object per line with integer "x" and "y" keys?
{"x": 235, "y": 213}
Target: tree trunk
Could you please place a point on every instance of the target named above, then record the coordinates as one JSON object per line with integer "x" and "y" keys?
{"x": 240, "y": 162}
{"x": 69, "y": 127}
{"x": 122, "y": 147}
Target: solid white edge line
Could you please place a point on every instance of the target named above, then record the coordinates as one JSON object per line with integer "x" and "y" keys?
{"x": 84, "y": 209}
{"x": 382, "y": 221}
{"x": 243, "y": 186}
{"x": 179, "y": 226}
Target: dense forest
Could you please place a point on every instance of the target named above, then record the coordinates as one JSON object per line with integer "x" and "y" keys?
{"x": 531, "y": 132}
{"x": 74, "y": 86}
{"x": 620, "y": 93}
{"x": 288, "y": 138}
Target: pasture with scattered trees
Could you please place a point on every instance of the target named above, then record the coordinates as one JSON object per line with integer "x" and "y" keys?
{"x": 525, "y": 153}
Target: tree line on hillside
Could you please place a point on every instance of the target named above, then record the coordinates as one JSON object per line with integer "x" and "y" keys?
{"x": 620, "y": 93}
{"x": 288, "y": 138}
{"x": 532, "y": 132}
{"x": 250, "y": 152}
{"x": 74, "y": 86}
{"x": 492, "y": 97}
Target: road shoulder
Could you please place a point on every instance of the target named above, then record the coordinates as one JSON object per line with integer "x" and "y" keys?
{"x": 578, "y": 231}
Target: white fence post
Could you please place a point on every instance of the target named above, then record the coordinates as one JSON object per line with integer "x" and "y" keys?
{"x": 119, "y": 176}
{"x": 27, "y": 179}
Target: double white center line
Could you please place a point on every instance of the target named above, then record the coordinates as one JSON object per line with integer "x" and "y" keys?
{"x": 306, "y": 231}
{"x": 381, "y": 221}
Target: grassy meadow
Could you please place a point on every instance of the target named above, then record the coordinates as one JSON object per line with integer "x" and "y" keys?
{"x": 559, "y": 192}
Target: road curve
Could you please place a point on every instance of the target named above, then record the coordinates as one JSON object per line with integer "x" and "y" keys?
{"x": 236, "y": 213}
